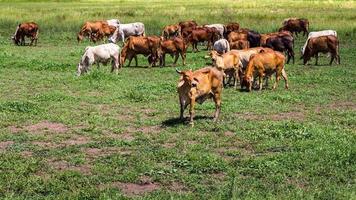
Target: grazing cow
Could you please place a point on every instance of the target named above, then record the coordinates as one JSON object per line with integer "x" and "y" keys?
{"x": 264, "y": 64}
{"x": 322, "y": 44}
{"x": 99, "y": 54}
{"x": 147, "y": 46}
{"x": 127, "y": 30}
{"x": 175, "y": 46}
{"x": 113, "y": 22}
{"x": 318, "y": 34}
{"x": 91, "y": 28}
{"x": 186, "y": 27}
{"x": 221, "y": 46}
{"x": 295, "y": 25}
{"x": 171, "y": 30}
{"x": 281, "y": 43}
{"x": 219, "y": 27}
{"x": 28, "y": 29}
{"x": 201, "y": 35}
{"x": 198, "y": 86}
{"x": 229, "y": 63}
{"x": 240, "y": 44}
{"x": 230, "y": 27}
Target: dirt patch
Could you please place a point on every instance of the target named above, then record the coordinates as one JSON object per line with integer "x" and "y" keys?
{"x": 168, "y": 145}
{"x": 146, "y": 129}
{"x": 296, "y": 116}
{"x": 44, "y": 126}
{"x": 26, "y": 154}
{"x": 229, "y": 133}
{"x": 133, "y": 189}
{"x": 5, "y": 144}
{"x": 93, "y": 153}
{"x": 61, "y": 165}
{"x": 122, "y": 136}
{"x": 45, "y": 144}
{"x": 219, "y": 176}
{"x": 78, "y": 140}
{"x": 338, "y": 105}
{"x": 177, "y": 187}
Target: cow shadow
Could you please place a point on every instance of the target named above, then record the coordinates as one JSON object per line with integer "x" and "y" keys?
{"x": 176, "y": 121}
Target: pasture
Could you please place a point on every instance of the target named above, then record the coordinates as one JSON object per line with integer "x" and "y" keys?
{"x": 111, "y": 136}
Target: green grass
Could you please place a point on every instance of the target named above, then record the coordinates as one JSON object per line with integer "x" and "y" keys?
{"x": 68, "y": 137}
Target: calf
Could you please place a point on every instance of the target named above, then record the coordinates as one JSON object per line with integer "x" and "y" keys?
{"x": 171, "y": 31}
{"x": 322, "y": 44}
{"x": 28, "y": 29}
{"x": 198, "y": 86}
{"x": 99, "y": 54}
{"x": 175, "y": 46}
{"x": 147, "y": 46}
{"x": 221, "y": 46}
{"x": 229, "y": 63}
{"x": 295, "y": 25}
{"x": 264, "y": 64}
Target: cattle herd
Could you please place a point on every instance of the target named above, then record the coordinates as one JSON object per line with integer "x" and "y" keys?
{"x": 239, "y": 54}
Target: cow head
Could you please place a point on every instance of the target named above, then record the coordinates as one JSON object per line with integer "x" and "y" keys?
{"x": 187, "y": 77}
{"x": 214, "y": 56}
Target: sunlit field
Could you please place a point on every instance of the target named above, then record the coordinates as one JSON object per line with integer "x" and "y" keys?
{"x": 109, "y": 136}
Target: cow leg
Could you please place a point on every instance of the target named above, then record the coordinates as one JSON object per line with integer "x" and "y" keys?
{"x": 130, "y": 59}
{"x": 277, "y": 80}
{"x": 316, "y": 58}
{"x": 176, "y": 59}
{"x": 284, "y": 75}
{"x": 260, "y": 82}
{"x": 237, "y": 78}
{"x": 164, "y": 60}
{"x": 332, "y": 58}
{"x": 182, "y": 108}
{"x": 191, "y": 111}
{"x": 136, "y": 60}
{"x": 182, "y": 54}
{"x": 217, "y": 100}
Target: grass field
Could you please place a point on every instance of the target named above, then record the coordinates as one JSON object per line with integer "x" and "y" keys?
{"x": 117, "y": 136}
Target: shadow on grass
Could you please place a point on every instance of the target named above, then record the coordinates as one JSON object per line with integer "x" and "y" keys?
{"x": 176, "y": 121}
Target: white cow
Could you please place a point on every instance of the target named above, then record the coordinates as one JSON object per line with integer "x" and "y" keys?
{"x": 318, "y": 34}
{"x": 220, "y": 27}
{"x": 221, "y": 46}
{"x": 100, "y": 54}
{"x": 113, "y": 22}
{"x": 127, "y": 30}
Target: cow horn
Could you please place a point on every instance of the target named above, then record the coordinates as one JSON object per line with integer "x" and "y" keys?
{"x": 178, "y": 71}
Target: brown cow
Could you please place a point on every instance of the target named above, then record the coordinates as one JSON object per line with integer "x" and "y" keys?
{"x": 28, "y": 29}
{"x": 201, "y": 35}
{"x": 106, "y": 31}
{"x": 279, "y": 41}
{"x": 229, "y": 63}
{"x": 171, "y": 31}
{"x": 237, "y": 35}
{"x": 240, "y": 44}
{"x": 147, "y": 46}
{"x": 295, "y": 25}
{"x": 91, "y": 28}
{"x": 198, "y": 86}
{"x": 187, "y": 27}
{"x": 175, "y": 46}
{"x": 322, "y": 44}
{"x": 230, "y": 27}
{"x": 263, "y": 65}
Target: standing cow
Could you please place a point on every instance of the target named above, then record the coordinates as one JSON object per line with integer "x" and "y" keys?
{"x": 322, "y": 44}
{"x": 295, "y": 25}
{"x": 28, "y": 29}
{"x": 221, "y": 46}
{"x": 127, "y": 30}
{"x": 99, "y": 54}
{"x": 198, "y": 86}
{"x": 219, "y": 27}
